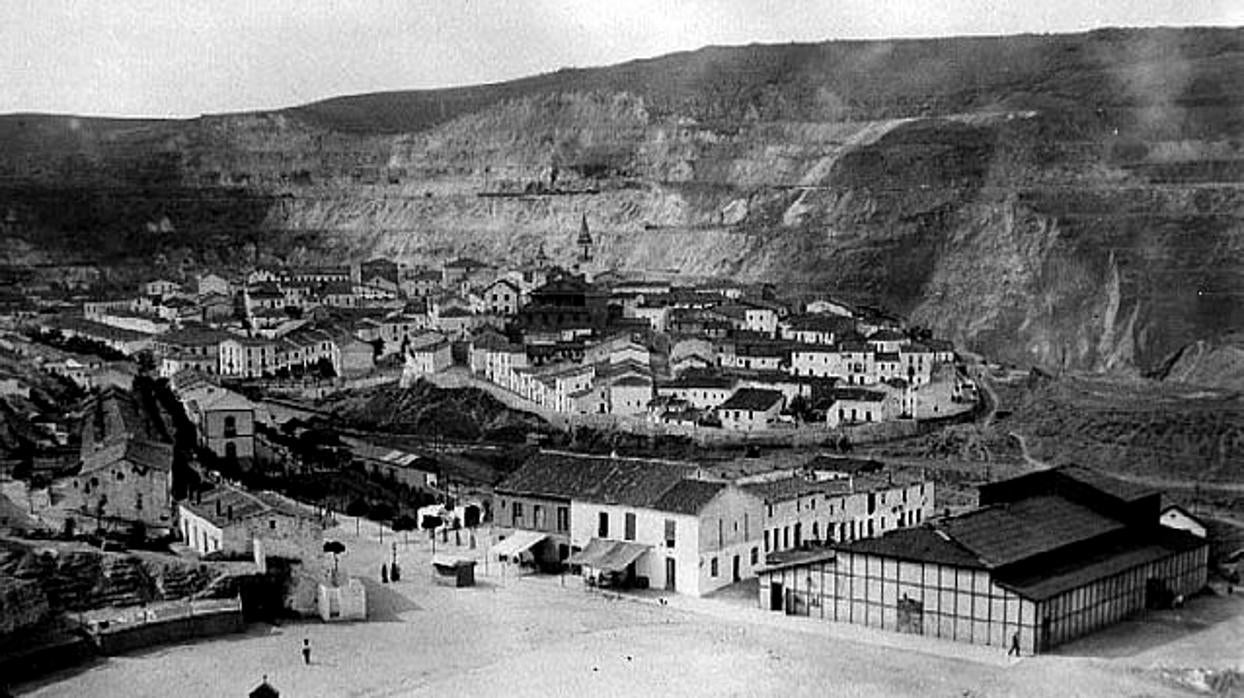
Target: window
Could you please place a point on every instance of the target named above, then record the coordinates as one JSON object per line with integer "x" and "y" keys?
{"x": 271, "y": 524}
{"x": 602, "y": 528}
{"x": 120, "y": 476}
{"x": 670, "y": 530}
{"x": 138, "y": 502}
{"x": 713, "y": 567}
{"x": 537, "y": 516}
{"x": 721, "y": 532}
{"x": 766, "y": 541}
{"x": 231, "y": 426}
{"x": 516, "y": 513}
{"x": 755, "y": 556}
{"x": 563, "y": 518}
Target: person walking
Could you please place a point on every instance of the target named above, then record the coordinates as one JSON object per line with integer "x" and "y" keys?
{"x": 1014, "y": 646}
{"x": 306, "y": 651}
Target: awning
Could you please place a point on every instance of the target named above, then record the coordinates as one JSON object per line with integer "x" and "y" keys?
{"x": 609, "y": 555}
{"x": 518, "y": 542}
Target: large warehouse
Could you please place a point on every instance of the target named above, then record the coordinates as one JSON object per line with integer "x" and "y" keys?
{"x": 1048, "y": 557}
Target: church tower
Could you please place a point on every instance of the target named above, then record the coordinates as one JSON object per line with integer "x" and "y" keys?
{"x": 584, "y": 241}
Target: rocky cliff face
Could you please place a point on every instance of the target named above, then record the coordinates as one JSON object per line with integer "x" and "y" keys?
{"x": 1067, "y": 201}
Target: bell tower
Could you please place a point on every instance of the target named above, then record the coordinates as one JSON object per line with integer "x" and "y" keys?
{"x": 584, "y": 241}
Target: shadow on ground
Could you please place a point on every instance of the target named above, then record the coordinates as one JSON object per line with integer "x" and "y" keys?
{"x": 385, "y": 603}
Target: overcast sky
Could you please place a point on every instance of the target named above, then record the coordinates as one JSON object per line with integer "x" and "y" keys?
{"x": 187, "y": 57}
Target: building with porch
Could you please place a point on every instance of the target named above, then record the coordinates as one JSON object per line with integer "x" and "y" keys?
{"x": 637, "y": 522}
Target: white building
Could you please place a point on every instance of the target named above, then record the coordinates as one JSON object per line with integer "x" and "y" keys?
{"x": 749, "y": 409}
{"x": 632, "y": 519}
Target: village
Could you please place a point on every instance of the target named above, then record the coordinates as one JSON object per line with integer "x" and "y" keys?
{"x": 181, "y": 417}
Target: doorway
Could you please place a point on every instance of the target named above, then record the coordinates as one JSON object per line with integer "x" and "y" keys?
{"x": 737, "y": 576}
{"x": 777, "y": 599}
{"x": 670, "y": 569}
{"x": 910, "y": 616}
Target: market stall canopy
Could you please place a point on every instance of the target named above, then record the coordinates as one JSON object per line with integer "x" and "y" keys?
{"x": 609, "y": 555}
{"x": 518, "y": 542}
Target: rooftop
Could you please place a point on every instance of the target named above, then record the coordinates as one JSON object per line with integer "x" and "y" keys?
{"x": 599, "y": 479}
{"x": 753, "y": 399}
{"x": 225, "y": 504}
{"x": 688, "y": 496}
{"x": 789, "y": 488}
{"x": 920, "y": 544}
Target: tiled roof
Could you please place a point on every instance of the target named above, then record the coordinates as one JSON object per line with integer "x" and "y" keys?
{"x": 194, "y": 335}
{"x": 699, "y": 380}
{"x": 886, "y": 335}
{"x": 688, "y": 496}
{"x": 600, "y": 479}
{"x": 753, "y": 399}
{"x": 858, "y": 395}
{"x": 821, "y": 323}
{"x": 920, "y": 544}
{"x": 789, "y": 488}
{"x": 845, "y": 465}
{"x": 237, "y": 504}
{"x": 1002, "y": 534}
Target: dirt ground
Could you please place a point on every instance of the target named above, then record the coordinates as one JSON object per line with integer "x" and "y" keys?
{"x": 534, "y": 636}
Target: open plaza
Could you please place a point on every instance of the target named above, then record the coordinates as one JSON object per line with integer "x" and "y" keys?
{"x": 540, "y": 635}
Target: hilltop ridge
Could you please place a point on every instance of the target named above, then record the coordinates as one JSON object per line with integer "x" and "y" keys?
{"x": 1060, "y": 200}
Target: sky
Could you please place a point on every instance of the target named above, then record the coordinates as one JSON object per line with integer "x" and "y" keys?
{"x": 188, "y": 57}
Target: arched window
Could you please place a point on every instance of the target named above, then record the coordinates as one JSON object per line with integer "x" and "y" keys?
{"x": 231, "y": 426}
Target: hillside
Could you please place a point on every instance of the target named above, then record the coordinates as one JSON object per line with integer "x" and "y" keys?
{"x": 1071, "y": 201}
{"x": 432, "y": 413}
{"x": 1143, "y": 429}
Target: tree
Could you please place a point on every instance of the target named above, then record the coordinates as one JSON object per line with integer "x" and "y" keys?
{"x": 405, "y": 523}
{"x": 146, "y": 361}
{"x": 335, "y": 547}
{"x": 358, "y": 509}
{"x": 429, "y": 524}
{"x": 381, "y": 513}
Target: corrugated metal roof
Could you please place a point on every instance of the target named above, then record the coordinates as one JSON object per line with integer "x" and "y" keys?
{"x": 1072, "y": 573}
{"x": 1002, "y": 534}
{"x": 922, "y": 544}
{"x": 1126, "y": 491}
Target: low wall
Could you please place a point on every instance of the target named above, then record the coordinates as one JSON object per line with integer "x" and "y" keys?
{"x": 128, "y": 637}
{"x": 42, "y": 659}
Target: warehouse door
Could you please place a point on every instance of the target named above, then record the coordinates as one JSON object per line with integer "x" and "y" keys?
{"x": 910, "y": 616}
